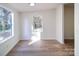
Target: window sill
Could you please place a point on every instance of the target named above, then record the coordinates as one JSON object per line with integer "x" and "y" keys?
{"x": 2, "y": 40}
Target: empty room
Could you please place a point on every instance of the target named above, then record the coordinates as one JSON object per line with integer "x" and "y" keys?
{"x": 36, "y": 29}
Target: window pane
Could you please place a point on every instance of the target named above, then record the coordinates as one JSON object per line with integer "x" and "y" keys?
{"x": 5, "y": 23}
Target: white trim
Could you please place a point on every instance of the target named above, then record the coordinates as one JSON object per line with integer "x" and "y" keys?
{"x": 41, "y": 39}
{"x": 2, "y": 41}
{"x": 48, "y": 39}
{"x": 12, "y": 24}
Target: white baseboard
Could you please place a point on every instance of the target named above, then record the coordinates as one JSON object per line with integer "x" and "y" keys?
{"x": 43, "y": 38}
{"x": 48, "y": 39}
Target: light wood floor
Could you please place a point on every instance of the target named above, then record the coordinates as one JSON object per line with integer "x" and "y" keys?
{"x": 43, "y": 48}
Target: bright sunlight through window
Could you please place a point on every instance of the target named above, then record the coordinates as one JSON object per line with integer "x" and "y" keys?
{"x": 36, "y": 30}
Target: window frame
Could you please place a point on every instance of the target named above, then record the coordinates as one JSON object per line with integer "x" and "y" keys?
{"x": 12, "y": 31}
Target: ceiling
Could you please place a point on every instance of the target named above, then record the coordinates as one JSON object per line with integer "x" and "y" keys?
{"x": 25, "y": 7}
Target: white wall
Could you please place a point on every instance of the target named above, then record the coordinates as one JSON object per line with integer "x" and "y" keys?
{"x": 69, "y": 22}
{"x": 60, "y": 24}
{"x": 9, "y": 44}
{"x": 76, "y": 29}
{"x": 49, "y": 23}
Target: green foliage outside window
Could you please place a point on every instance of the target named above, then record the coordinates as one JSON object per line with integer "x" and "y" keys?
{"x": 5, "y": 20}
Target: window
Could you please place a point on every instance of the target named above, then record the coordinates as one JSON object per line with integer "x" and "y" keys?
{"x": 6, "y": 23}
{"x": 37, "y": 24}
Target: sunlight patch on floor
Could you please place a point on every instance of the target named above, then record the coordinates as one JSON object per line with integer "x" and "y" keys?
{"x": 35, "y": 37}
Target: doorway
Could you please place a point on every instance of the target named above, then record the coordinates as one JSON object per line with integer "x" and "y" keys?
{"x": 69, "y": 23}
